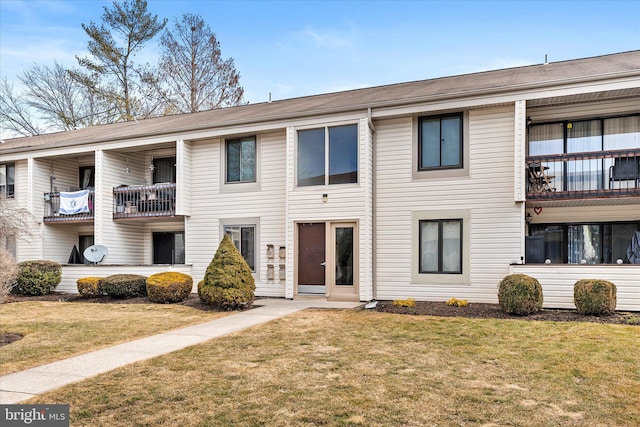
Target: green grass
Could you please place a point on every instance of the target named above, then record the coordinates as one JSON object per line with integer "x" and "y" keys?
{"x": 347, "y": 368}
{"x": 55, "y": 330}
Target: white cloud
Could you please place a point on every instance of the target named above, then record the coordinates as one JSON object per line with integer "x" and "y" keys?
{"x": 331, "y": 39}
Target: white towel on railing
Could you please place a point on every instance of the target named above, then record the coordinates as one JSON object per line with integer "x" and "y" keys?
{"x": 74, "y": 202}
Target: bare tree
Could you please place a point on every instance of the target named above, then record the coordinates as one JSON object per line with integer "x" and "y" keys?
{"x": 192, "y": 74}
{"x": 61, "y": 100}
{"x": 15, "y": 224}
{"x": 126, "y": 27}
{"x": 16, "y": 116}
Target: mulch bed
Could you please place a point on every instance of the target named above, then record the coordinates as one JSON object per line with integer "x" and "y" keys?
{"x": 493, "y": 311}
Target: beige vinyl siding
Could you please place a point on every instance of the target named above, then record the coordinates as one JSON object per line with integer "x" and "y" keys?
{"x": 495, "y": 220}
{"x": 600, "y": 213}
{"x": 584, "y": 110}
{"x": 345, "y": 202}
{"x": 124, "y": 241}
{"x": 558, "y": 280}
{"x": 264, "y": 202}
{"x": 183, "y": 177}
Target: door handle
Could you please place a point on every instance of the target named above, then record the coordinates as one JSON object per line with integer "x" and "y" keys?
{"x": 323, "y": 263}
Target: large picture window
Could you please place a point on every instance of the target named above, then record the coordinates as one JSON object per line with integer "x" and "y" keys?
{"x": 595, "y": 243}
{"x": 7, "y": 180}
{"x": 440, "y": 246}
{"x": 440, "y": 142}
{"x": 241, "y": 160}
{"x": 244, "y": 239}
{"x": 328, "y": 155}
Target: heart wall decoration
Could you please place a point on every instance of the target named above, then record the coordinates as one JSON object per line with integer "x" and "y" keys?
{"x": 537, "y": 210}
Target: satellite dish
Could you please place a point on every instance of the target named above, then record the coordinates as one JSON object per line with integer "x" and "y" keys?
{"x": 95, "y": 253}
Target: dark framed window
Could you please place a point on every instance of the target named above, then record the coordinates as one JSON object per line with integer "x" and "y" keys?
{"x": 241, "y": 159}
{"x": 168, "y": 248}
{"x": 244, "y": 239}
{"x": 164, "y": 170}
{"x": 440, "y": 246}
{"x": 440, "y": 142}
{"x": 591, "y": 243}
{"x": 7, "y": 180}
{"x": 328, "y": 155}
{"x": 87, "y": 177}
{"x": 83, "y": 243}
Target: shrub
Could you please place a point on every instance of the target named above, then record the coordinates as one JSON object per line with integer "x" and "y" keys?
{"x": 409, "y": 302}
{"x": 520, "y": 294}
{"x": 228, "y": 282}
{"x": 124, "y": 286}
{"x": 457, "y": 302}
{"x": 594, "y": 297}
{"x": 89, "y": 286}
{"x": 38, "y": 277}
{"x": 169, "y": 287}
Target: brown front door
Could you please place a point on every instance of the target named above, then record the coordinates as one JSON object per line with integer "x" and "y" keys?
{"x": 311, "y": 258}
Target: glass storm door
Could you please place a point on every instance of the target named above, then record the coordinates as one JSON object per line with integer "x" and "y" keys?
{"x": 342, "y": 268}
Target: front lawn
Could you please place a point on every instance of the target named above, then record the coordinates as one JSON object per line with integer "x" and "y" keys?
{"x": 55, "y": 330}
{"x": 347, "y": 368}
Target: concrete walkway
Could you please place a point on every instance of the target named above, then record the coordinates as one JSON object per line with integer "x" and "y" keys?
{"x": 23, "y": 385}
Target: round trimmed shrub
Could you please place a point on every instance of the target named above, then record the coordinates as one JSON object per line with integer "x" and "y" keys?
{"x": 89, "y": 287}
{"x": 169, "y": 287}
{"x": 38, "y": 277}
{"x": 594, "y": 297}
{"x": 520, "y": 294}
{"x": 228, "y": 282}
{"x": 124, "y": 286}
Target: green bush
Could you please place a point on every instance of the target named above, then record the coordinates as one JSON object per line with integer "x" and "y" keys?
{"x": 38, "y": 277}
{"x": 89, "y": 286}
{"x": 228, "y": 282}
{"x": 594, "y": 297}
{"x": 169, "y": 287}
{"x": 520, "y": 294}
{"x": 124, "y": 286}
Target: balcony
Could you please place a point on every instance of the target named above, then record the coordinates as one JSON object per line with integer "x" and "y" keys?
{"x": 589, "y": 175}
{"x": 144, "y": 201}
{"x": 53, "y": 213}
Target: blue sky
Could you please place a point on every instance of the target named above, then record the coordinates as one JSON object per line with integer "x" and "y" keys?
{"x": 298, "y": 48}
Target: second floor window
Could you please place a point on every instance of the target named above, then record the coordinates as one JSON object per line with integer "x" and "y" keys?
{"x": 328, "y": 155}
{"x": 7, "y": 180}
{"x": 440, "y": 142}
{"x": 241, "y": 160}
{"x": 164, "y": 170}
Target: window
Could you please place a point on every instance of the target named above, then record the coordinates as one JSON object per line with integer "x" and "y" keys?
{"x": 87, "y": 177}
{"x": 440, "y": 246}
{"x": 244, "y": 239}
{"x": 164, "y": 170}
{"x": 168, "y": 248}
{"x": 83, "y": 243}
{"x": 583, "y": 172}
{"x": 7, "y": 180}
{"x": 241, "y": 160}
{"x": 596, "y": 243}
{"x": 328, "y": 155}
{"x": 440, "y": 142}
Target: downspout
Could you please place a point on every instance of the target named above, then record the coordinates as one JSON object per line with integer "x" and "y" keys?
{"x": 374, "y": 244}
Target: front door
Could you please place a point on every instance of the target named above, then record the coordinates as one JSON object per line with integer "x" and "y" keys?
{"x": 311, "y": 258}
